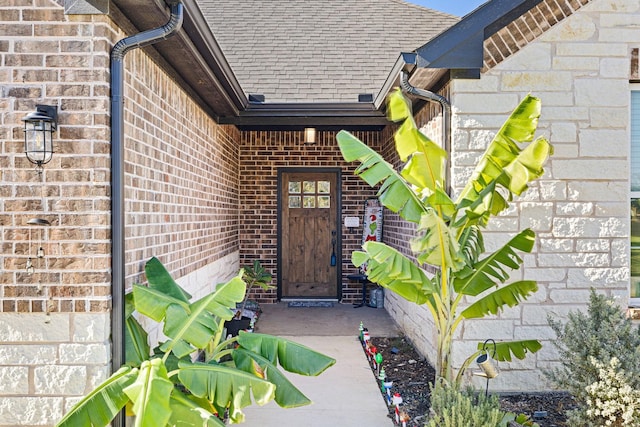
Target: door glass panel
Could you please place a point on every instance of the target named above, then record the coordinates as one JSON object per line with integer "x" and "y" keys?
{"x": 324, "y": 202}
{"x": 294, "y": 201}
{"x": 309, "y": 201}
{"x": 324, "y": 187}
{"x": 294, "y": 187}
{"x": 309, "y": 187}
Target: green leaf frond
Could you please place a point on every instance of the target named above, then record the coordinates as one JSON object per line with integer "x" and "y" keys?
{"x": 505, "y": 165}
{"x": 226, "y": 387}
{"x": 471, "y": 244}
{"x": 108, "y": 397}
{"x": 436, "y": 243}
{"x": 197, "y": 325}
{"x": 393, "y": 270}
{"x": 519, "y": 349}
{"x": 189, "y": 410}
{"x": 293, "y": 357}
{"x": 395, "y": 193}
{"x": 150, "y": 394}
{"x": 287, "y": 395}
{"x": 493, "y": 268}
{"x": 509, "y": 295}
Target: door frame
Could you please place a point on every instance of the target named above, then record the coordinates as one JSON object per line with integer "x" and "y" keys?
{"x": 338, "y": 224}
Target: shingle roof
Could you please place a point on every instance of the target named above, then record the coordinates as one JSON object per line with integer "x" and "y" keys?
{"x": 295, "y": 51}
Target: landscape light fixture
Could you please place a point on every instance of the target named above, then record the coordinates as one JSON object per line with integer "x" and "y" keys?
{"x": 487, "y": 364}
{"x": 39, "y": 127}
{"x": 309, "y": 136}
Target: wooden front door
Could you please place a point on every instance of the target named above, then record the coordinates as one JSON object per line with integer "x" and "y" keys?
{"x": 309, "y": 241}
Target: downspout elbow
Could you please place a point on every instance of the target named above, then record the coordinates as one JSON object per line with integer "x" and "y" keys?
{"x": 423, "y": 94}
{"x": 150, "y": 36}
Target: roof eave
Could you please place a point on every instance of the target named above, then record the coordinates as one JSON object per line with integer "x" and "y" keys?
{"x": 192, "y": 57}
{"x": 461, "y": 46}
{"x": 299, "y": 115}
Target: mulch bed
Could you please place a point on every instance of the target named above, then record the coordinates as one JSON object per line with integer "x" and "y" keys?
{"x": 412, "y": 374}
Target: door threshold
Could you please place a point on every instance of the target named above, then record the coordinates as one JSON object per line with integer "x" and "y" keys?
{"x": 290, "y": 299}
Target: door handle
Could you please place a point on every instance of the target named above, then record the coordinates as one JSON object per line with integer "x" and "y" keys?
{"x": 334, "y": 260}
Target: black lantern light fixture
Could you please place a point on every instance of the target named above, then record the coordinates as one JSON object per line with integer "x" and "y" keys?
{"x": 39, "y": 127}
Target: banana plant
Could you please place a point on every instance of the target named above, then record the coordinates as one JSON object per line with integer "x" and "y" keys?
{"x": 468, "y": 283}
{"x": 173, "y": 384}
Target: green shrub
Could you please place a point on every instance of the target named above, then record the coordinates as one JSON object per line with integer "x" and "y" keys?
{"x": 451, "y": 407}
{"x": 600, "y": 334}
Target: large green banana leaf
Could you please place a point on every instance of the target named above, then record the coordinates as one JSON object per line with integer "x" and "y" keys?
{"x": 136, "y": 342}
{"x": 437, "y": 244}
{"x": 293, "y": 357}
{"x": 395, "y": 193}
{"x": 160, "y": 279}
{"x": 154, "y": 303}
{"x": 528, "y": 165}
{"x": 425, "y": 167}
{"x": 492, "y": 268}
{"x": 98, "y": 408}
{"x": 188, "y": 411}
{"x": 389, "y": 268}
{"x": 225, "y": 387}
{"x": 510, "y": 295}
{"x": 150, "y": 394}
{"x": 471, "y": 246}
{"x": 519, "y": 349}
{"x": 505, "y": 163}
{"x": 198, "y": 324}
{"x": 287, "y": 395}
{"x": 399, "y": 108}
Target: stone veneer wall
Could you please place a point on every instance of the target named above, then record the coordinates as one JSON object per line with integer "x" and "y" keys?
{"x": 181, "y": 201}
{"x": 261, "y": 154}
{"x": 580, "y": 69}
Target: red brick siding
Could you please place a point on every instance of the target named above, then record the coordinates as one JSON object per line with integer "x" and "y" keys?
{"x": 181, "y": 176}
{"x": 261, "y": 154}
{"x": 181, "y": 167}
{"x": 51, "y": 59}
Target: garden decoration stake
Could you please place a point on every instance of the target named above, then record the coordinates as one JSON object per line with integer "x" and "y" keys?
{"x": 448, "y": 232}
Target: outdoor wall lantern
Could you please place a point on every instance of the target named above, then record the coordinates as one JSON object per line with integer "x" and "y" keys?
{"x": 39, "y": 127}
{"x": 309, "y": 136}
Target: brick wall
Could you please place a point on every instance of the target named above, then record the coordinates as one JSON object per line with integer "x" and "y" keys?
{"x": 52, "y": 67}
{"x": 181, "y": 202}
{"x": 261, "y": 154}
{"x": 54, "y": 323}
{"x": 181, "y": 176}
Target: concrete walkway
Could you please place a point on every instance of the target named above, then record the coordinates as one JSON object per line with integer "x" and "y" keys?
{"x": 345, "y": 395}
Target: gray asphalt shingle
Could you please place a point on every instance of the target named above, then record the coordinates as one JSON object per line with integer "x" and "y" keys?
{"x": 318, "y": 51}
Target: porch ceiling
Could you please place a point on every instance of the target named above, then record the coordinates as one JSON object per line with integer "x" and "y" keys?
{"x": 196, "y": 60}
